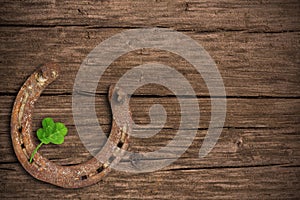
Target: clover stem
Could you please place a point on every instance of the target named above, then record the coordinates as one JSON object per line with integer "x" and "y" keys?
{"x": 34, "y": 151}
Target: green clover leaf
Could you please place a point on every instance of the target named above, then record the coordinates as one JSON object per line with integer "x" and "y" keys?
{"x": 50, "y": 133}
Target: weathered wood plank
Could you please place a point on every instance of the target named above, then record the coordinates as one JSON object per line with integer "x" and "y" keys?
{"x": 253, "y": 113}
{"x": 250, "y": 64}
{"x": 273, "y": 182}
{"x": 208, "y": 15}
{"x": 258, "y": 131}
{"x": 235, "y": 147}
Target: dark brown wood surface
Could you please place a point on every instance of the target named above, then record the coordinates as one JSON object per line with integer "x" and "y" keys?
{"x": 255, "y": 45}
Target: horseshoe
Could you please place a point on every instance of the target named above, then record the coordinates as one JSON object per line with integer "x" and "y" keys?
{"x": 75, "y": 176}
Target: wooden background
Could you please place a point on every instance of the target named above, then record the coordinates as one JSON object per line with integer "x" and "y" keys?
{"x": 256, "y": 47}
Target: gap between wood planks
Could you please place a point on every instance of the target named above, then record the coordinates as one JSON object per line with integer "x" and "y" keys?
{"x": 161, "y": 96}
{"x": 88, "y": 27}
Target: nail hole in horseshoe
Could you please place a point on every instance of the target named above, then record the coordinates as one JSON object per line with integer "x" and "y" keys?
{"x": 100, "y": 169}
{"x": 111, "y": 159}
{"x": 84, "y": 177}
{"x": 120, "y": 144}
{"x": 20, "y": 129}
{"x": 23, "y": 146}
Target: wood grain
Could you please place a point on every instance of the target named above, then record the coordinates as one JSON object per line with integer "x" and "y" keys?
{"x": 208, "y": 15}
{"x": 268, "y": 66}
{"x": 255, "y": 45}
{"x": 271, "y": 118}
{"x": 250, "y": 182}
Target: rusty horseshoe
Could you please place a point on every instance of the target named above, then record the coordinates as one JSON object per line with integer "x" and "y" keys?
{"x": 75, "y": 176}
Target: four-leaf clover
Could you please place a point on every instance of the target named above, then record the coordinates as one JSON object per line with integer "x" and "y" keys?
{"x": 50, "y": 133}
